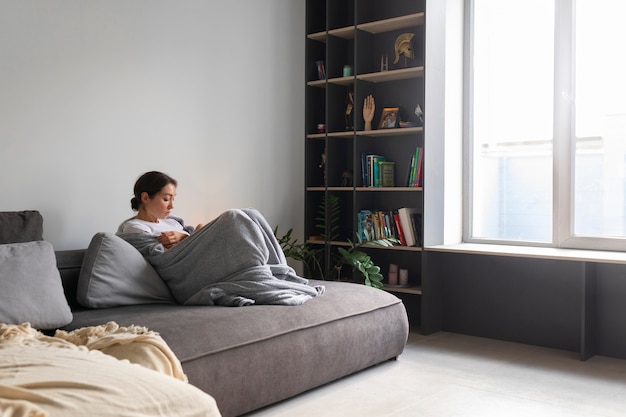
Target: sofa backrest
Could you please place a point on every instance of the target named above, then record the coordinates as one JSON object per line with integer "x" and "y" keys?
{"x": 69, "y": 263}
{"x": 20, "y": 226}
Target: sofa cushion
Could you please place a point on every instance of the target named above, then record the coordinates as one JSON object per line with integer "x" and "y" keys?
{"x": 114, "y": 273}
{"x": 20, "y": 226}
{"x": 30, "y": 286}
{"x": 248, "y": 357}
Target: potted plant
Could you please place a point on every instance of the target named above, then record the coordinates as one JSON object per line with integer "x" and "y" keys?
{"x": 328, "y": 224}
{"x": 302, "y": 252}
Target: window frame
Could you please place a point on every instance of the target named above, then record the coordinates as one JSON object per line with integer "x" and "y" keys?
{"x": 564, "y": 148}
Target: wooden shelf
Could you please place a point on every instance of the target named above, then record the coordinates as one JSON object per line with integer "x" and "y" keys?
{"x": 374, "y": 77}
{"x": 416, "y": 290}
{"x": 375, "y": 27}
{"x": 348, "y": 134}
{"x": 337, "y": 81}
{"x": 395, "y": 247}
{"x": 369, "y": 246}
{"x": 322, "y": 188}
{"x": 323, "y": 242}
{"x": 396, "y": 23}
{"x": 390, "y": 132}
{"x": 387, "y": 189}
{"x": 345, "y": 134}
{"x": 343, "y": 33}
{"x": 317, "y": 83}
{"x": 368, "y": 189}
{"x": 316, "y": 136}
{"x": 318, "y": 36}
{"x": 369, "y": 133}
{"x": 393, "y": 75}
{"x": 342, "y": 80}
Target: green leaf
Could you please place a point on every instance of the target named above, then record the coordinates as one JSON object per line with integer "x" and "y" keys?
{"x": 377, "y": 284}
{"x": 373, "y": 269}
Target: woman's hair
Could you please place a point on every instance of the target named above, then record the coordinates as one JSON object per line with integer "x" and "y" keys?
{"x": 151, "y": 182}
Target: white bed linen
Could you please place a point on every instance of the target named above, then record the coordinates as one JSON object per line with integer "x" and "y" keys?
{"x": 49, "y": 376}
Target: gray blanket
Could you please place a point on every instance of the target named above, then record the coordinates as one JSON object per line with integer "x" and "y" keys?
{"x": 233, "y": 261}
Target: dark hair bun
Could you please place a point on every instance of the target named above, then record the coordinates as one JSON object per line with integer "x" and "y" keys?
{"x": 134, "y": 203}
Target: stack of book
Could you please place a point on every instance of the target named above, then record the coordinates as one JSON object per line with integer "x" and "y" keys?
{"x": 415, "y": 172}
{"x": 376, "y": 171}
{"x": 403, "y": 224}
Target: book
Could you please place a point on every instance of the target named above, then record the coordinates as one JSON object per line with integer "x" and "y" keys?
{"x": 387, "y": 173}
{"x": 364, "y": 226}
{"x": 420, "y": 163}
{"x": 396, "y": 219}
{"x": 364, "y": 176}
{"x": 416, "y": 221}
{"x": 390, "y": 228}
{"x": 415, "y": 168}
{"x": 377, "y": 225}
{"x": 369, "y": 169}
{"x": 376, "y": 159}
{"x": 405, "y": 214}
{"x": 407, "y": 182}
{"x": 382, "y": 226}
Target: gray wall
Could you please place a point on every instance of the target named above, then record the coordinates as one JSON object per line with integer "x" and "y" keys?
{"x": 93, "y": 93}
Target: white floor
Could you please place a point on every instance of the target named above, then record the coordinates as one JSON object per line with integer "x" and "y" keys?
{"x": 445, "y": 374}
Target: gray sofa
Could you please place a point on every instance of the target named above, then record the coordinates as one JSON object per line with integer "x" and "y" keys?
{"x": 244, "y": 357}
{"x": 250, "y": 357}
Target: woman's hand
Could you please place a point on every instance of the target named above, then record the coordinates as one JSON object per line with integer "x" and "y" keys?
{"x": 169, "y": 239}
{"x": 368, "y": 111}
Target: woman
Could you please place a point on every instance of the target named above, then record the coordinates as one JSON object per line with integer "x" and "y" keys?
{"x": 234, "y": 260}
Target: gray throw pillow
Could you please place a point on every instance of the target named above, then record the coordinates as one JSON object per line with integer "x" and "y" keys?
{"x": 20, "y": 226}
{"x": 30, "y": 286}
{"x": 114, "y": 273}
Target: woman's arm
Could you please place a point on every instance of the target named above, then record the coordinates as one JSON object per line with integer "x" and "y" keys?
{"x": 169, "y": 239}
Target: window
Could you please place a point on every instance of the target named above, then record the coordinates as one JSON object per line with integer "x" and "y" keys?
{"x": 546, "y": 111}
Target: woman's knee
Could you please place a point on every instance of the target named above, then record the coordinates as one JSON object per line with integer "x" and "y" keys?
{"x": 234, "y": 213}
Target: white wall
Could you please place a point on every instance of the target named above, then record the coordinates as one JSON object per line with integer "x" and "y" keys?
{"x": 94, "y": 93}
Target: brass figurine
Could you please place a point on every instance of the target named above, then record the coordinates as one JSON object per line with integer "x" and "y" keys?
{"x": 404, "y": 47}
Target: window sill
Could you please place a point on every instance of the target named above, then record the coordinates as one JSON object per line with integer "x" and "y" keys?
{"x": 578, "y": 255}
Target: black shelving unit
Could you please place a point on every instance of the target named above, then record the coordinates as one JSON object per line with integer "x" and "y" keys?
{"x": 362, "y": 34}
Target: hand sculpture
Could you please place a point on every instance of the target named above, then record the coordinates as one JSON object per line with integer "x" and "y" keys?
{"x": 368, "y": 111}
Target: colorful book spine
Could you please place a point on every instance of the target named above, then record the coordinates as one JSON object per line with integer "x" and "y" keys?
{"x": 396, "y": 219}
{"x": 364, "y": 176}
{"x": 403, "y": 224}
{"x": 414, "y": 176}
{"x": 408, "y": 181}
{"x": 376, "y": 160}
{"x": 365, "y": 227}
{"x": 415, "y": 169}
{"x": 420, "y": 165}
{"x": 370, "y": 172}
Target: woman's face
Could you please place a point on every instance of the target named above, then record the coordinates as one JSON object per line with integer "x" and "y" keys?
{"x": 161, "y": 204}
